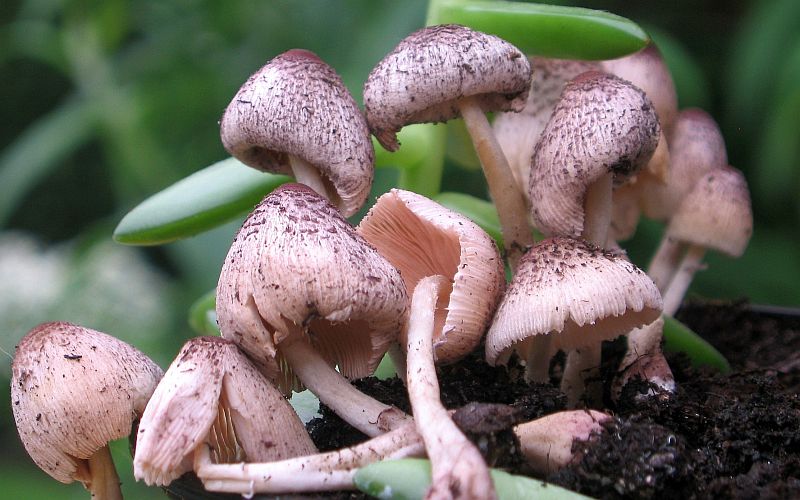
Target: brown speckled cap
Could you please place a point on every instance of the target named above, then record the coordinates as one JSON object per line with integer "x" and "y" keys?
{"x": 601, "y": 124}
{"x": 574, "y": 291}
{"x": 422, "y": 79}
{"x": 298, "y": 105}
{"x": 297, "y": 262}
{"x": 73, "y": 390}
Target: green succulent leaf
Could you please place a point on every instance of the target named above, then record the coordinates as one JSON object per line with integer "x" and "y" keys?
{"x": 545, "y": 30}
{"x": 203, "y": 314}
{"x": 409, "y": 478}
{"x": 197, "y": 203}
{"x": 680, "y": 338}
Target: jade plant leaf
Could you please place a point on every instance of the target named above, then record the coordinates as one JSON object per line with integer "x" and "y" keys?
{"x": 203, "y": 314}
{"x": 680, "y": 338}
{"x": 202, "y": 201}
{"x": 545, "y": 30}
{"x": 409, "y": 478}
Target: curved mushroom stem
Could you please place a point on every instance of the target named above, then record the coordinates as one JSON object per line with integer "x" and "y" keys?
{"x": 320, "y": 472}
{"x": 665, "y": 261}
{"x": 457, "y": 467}
{"x": 503, "y": 189}
{"x": 582, "y": 376}
{"x": 597, "y": 207}
{"x": 645, "y": 359}
{"x": 305, "y": 173}
{"x": 359, "y": 410}
{"x": 104, "y": 481}
{"x": 692, "y": 261}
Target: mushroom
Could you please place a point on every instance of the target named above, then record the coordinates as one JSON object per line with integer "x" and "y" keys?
{"x": 212, "y": 395}
{"x": 575, "y": 295}
{"x": 295, "y": 116}
{"x": 73, "y": 390}
{"x": 300, "y": 291}
{"x": 442, "y": 72}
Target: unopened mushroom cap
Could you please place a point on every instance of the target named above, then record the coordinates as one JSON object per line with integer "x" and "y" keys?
{"x": 73, "y": 390}
{"x": 296, "y": 262}
{"x": 601, "y": 124}
{"x": 716, "y": 214}
{"x": 574, "y": 291}
{"x": 422, "y": 79}
{"x": 297, "y": 105}
{"x": 212, "y": 384}
{"x": 422, "y": 238}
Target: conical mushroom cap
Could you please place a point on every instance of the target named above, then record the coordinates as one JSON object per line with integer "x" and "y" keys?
{"x": 297, "y": 105}
{"x": 211, "y": 382}
{"x": 601, "y": 124}
{"x": 73, "y": 390}
{"x": 716, "y": 214}
{"x": 574, "y": 291}
{"x": 423, "y": 78}
{"x": 518, "y": 133}
{"x": 296, "y": 262}
{"x": 422, "y": 238}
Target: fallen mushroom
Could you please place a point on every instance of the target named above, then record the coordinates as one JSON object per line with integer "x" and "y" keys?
{"x": 295, "y": 116}
{"x": 73, "y": 390}
{"x": 442, "y": 72}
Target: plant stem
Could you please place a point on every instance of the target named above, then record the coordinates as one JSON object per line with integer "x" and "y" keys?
{"x": 104, "y": 483}
{"x": 597, "y": 210}
{"x": 691, "y": 262}
{"x": 305, "y": 173}
{"x": 665, "y": 261}
{"x": 582, "y": 376}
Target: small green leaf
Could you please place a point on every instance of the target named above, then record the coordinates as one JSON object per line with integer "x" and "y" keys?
{"x": 545, "y": 30}
{"x": 679, "y": 338}
{"x": 481, "y": 212}
{"x": 197, "y": 203}
{"x": 409, "y": 478}
{"x": 203, "y": 314}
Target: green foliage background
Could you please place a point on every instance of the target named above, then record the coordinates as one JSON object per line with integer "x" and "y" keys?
{"x": 106, "y": 102}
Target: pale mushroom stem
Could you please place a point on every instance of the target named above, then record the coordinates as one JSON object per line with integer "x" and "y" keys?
{"x": 692, "y": 261}
{"x": 319, "y": 472}
{"x": 665, "y": 261}
{"x": 305, "y": 173}
{"x": 457, "y": 467}
{"x": 582, "y": 376}
{"x": 503, "y": 189}
{"x": 537, "y": 367}
{"x": 104, "y": 483}
{"x": 644, "y": 358}
{"x": 598, "y": 208}
{"x": 359, "y": 410}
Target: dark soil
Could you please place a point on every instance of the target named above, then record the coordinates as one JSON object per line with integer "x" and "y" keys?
{"x": 718, "y": 436}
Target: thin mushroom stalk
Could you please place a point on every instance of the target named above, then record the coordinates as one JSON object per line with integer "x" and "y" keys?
{"x": 457, "y": 467}
{"x": 103, "y": 482}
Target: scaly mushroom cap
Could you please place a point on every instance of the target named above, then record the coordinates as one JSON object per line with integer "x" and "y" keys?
{"x": 695, "y": 147}
{"x": 716, "y": 214}
{"x": 422, "y": 79}
{"x": 518, "y": 133}
{"x": 213, "y": 395}
{"x": 298, "y": 105}
{"x": 574, "y": 291}
{"x": 601, "y": 124}
{"x": 296, "y": 262}
{"x": 73, "y": 390}
{"x": 422, "y": 238}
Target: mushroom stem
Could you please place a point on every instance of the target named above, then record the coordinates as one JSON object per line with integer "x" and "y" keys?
{"x": 645, "y": 359}
{"x": 537, "y": 368}
{"x": 673, "y": 295}
{"x": 517, "y": 234}
{"x": 582, "y": 376}
{"x": 305, "y": 173}
{"x": 319, "y": 472}
{"x": 457, "y": 467}
{"x": 104, "y": 482}
{"x": 665, "y": 261}
{"x": 359, "y": 410}
{"x": 597, "y": 207}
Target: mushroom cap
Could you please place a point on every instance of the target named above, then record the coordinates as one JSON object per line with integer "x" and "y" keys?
{"x": 601, "y": 124}
{"x": 423, "y": 78}
{"x": 519, "y": 132}
{"x": 211, "y": 382}
{"x": 695, "y": 147}
{"x": 422, "y": 238}
{"x": 716, "y": 214}
{"x": 296, "y": 262}
{"x": 574, "y": 291}
{"x": 73, "y": 390}
{"x": 297, "y": 105}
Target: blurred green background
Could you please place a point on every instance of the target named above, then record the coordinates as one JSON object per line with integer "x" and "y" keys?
{"x": 106, "y": 102}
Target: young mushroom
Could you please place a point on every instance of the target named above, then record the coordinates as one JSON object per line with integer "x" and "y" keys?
{"x": 73, "y": 390}
{"x": 213, "y": 396}
{"x": 301, "y": 291}
{"x": 295, "y": 116}
{"x": 442, "y": 72}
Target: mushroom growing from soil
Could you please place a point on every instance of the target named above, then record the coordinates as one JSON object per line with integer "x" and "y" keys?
{"x": 213, "y": 396}
{"x": 442, "y": 72}
{"x": 73, "y": 390}
{"x": 301, "y": 291}
{"x": 295, "y": 116}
